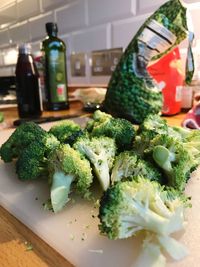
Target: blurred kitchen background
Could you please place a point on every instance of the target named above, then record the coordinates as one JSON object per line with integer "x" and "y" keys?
{"x": 87, "y": 27}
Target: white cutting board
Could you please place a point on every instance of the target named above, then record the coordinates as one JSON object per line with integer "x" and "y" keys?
{"x": 74, "y": 231}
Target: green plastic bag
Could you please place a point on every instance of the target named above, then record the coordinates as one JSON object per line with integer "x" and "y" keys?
{"x": 132, "y": 93}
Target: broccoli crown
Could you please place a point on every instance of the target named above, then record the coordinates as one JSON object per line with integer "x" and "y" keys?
{"x": 32, "y": 162}
{"x": 117, "y": 128}
{"x": 132, "y": 206}
{"x": 20, "y": 138}
{"x": 100, "y": 151}
{"x": 68, "y": 164}
{"x": 173, "y": 158}
{"x": 127, "y": 165}
{"x": 67, "y": 131}
{"x": 98, "y": 117}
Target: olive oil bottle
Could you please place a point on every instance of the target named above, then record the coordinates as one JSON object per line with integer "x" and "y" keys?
{"x": 54, "y": 51}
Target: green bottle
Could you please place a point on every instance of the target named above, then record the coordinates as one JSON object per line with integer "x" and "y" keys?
{"x": 54, "y": 50}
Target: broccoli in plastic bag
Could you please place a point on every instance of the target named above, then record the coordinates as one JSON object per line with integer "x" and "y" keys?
{"x": 132, "y": 93}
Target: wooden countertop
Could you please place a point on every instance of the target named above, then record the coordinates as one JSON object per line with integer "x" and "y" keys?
{"x": 19, "y": 246}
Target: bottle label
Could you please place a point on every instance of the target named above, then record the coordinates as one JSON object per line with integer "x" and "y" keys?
{"x": 57, "y": 76}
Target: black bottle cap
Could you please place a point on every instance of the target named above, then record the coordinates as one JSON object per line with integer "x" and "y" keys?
{"x": 51, "y": 27}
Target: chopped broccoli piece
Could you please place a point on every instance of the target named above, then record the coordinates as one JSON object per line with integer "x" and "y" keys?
{"x": 32, "y": 162}
{"x": 173, "y": 158}
{"x": 120, "y": 129}
{"x": 127, "y": 165}
{"x": 129, "y": 207}
{"x": 150, "y": 256}
{"x": 100, "y": 151}
{"x": 20, "y": 138}
{"x": 66, "y": 167}
{"x": 98, "y": 118}
{"x": 67, "y": 131}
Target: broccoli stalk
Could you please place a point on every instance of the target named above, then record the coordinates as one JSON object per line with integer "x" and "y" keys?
{"x": 68, "y": 167}
{"x": 60, "y": 189}
{"x": 164, "y": 157}
{"x": 150, "y": 256}
{"x": 100, "y": 152}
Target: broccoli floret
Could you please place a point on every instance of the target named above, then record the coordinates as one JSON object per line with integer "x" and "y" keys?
{"x": 20, "y": 138}
{"x": 129, "y": 207}
{"x": 67, "y": 166}
{"x": 127, "y": 165}
{"x": 152, "y": 126}
{"x": 120, "y": 129}
{"x": 173, "y": 158}
{"x": 98, "y": 117}
{"x": 67, "y": 131}
{"x": 32, "y": 162}
{"x": 100, "y": 151}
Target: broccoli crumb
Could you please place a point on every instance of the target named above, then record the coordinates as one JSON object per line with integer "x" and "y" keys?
{"x": 72, "y": 237}
{"x": 28, "y": 245}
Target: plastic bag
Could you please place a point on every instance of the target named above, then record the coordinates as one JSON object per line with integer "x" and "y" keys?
{"x": 132, "y": 93}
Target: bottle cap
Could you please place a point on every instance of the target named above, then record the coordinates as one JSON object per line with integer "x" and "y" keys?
{"x": 51, "y": 27}
{"x": 25, "y": 49}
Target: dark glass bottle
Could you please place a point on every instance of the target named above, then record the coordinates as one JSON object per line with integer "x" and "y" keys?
{"x": 27, "y": 84}
{"x": 54, "y": 50}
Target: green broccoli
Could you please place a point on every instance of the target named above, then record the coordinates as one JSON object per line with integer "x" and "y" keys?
{"x": 32, "y": 162}
{"x": 98, "y": 117}
{"x": 100, "y": 151}
{"x": 152, "y": 126}
{"x": 68, "y": 169}
{"x": 120, "y": 129}
{"x": 130, "y": 207}
{"x": 67, "y": 131}
{"x": 127, "y": 165}
{"x": 173, "y": 158}
{"x": 20, "y": 138}
{"x": 1, "y": 117}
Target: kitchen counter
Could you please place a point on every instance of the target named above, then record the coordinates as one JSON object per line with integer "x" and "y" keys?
{"x": 19, "y": 246}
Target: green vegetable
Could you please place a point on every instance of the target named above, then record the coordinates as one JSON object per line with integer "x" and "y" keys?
{"x": 174, "y": 159}
{"x": 100, "y": 151}
{"x": 130, "y": 207}
{"x": 127, "y": 165}
{"x": 67, "y": 131}
{"x": 1, "y": 117}
{"x": 132, "y": 93}
{"x": 121, "y": 130}
{"x": 32, "y": 161}
{"x": 25, "y": 134}
{"x": 67, "y": 166}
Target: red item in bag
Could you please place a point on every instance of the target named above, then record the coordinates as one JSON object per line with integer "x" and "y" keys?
{"x": 168, "y": 73}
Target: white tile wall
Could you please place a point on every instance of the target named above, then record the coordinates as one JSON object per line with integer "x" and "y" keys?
{"x": 84, "y": 25}
{"x": 93, "y": 39}
{"x": 106, "y": 11}
{"x": 8, "y": 14}
{"x": 68, "y": 21}
{"x": 149, "y": 6}
{"x": 26, "y": 9}
{"x": 4, "y": 37}
{"x": 51, "y": 4}
{"x": 37, "y": 26}
{"x": 123, "y": 31}
{"x": 20, "y": 33}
